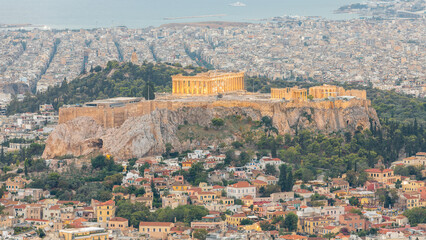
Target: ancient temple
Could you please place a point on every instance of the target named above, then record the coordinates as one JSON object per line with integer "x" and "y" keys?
{"x": 318, "y": 92}
{"x": 331, "y": 91}
{"x": 208, "y": 83}
{"x": 293, "y": 93}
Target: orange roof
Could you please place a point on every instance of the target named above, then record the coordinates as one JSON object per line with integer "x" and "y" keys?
{"x": 239, "y": 215}
{"x": 110, "y": 202}
{"x": 55, "y": 207}
{"x": 259, "y": 182}
{"x": 243, "y": 184}
{"x": 23, "y": 206}
{"x": 329, "y": 227}
{"x": 155, "y": 224}
{"x": 118, "y": 219}
{"x": 80, "y": 220}
{"x": 293, "y": 237}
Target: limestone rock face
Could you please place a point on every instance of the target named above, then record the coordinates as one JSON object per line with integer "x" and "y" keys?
{"x": 79, "y": 136}
{"x": 148, "y": 134}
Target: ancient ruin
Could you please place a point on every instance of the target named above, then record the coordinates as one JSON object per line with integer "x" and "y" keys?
{"x": 208, "y": 83}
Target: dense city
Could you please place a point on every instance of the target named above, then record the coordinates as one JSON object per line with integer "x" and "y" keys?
{"x": 283, "y": 128}
{"x": 389, "y": 54}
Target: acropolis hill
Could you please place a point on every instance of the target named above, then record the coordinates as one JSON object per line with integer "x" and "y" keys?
{"x": 132, "y": 127}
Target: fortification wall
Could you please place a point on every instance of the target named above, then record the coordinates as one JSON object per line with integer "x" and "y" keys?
{"x": 115, "y": 117}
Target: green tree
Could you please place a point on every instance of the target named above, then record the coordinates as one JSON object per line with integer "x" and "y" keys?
{"x": 270, "y": 169}
{"x": 398, "y": 184}
{"x": 200, "y": 234}
{"x": 98, "y": 161}
{"x": 290, "y": 181}
{"x": 156, "y": 196}
{"x": 169, "y": 148}
{"x": 282, "y": 181}
{"x": 290, "y": 222}
{"x": 148, "y": 91}
{"x": 416, "y": 215}
{"x": 40, "y": 233}
{"x": 112, "y": 180}
{"x": 246, "y": 221}
{"x": 218, "y": 122}
{"x": 353, "y": 201}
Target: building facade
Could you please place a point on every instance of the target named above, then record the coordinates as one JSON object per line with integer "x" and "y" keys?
{"x": 241, "y": 189}
{"x": 208, "y": 83}
{"x": 155, "y": 230}
{"x": 105, "y": 211}
{"x": 293, "y": 93}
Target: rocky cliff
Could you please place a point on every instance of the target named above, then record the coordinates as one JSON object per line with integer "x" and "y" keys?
{"x": 148, "y": 134}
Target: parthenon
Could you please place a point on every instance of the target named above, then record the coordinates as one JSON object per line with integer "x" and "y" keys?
{"x": 208, "y": 83}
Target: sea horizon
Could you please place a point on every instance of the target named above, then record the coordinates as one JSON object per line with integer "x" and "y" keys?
{"x": 84, "y": 14}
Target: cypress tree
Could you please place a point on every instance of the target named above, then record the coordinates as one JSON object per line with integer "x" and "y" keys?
{"x": 290, "y": 181}
{"x": 283, "y": 177}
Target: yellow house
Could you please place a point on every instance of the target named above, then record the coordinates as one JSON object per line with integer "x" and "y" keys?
{"x": 205, "y": 196}
{"x": 155, "y": 230}
{"x": 227, "y": 201}
{"x": 365, "y": 200}
{"x": 13, "y": 184}
{"x": 412, "y": 201}
{"x": 259, "y": 183}
{"x": 105, "y": 211}
{"x": 180, "y": 187}
{"x": 413, "y": 186}
{"x": 89, "y": 233}
{"x": 205, "y": 187}
{"x": 382, "y": 175}
{"x": 254, "y": 227}
{"x": 235, "y": 220}
{"x": 186, "y": 165}
{"x": 311, "y": 225}
{"x": 118, "y": 223}
{"x": 247, "y": 200}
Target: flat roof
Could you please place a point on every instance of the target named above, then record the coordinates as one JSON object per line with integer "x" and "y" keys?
{"x": 115, "y": 100}
{"x": 82, "y": 230}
